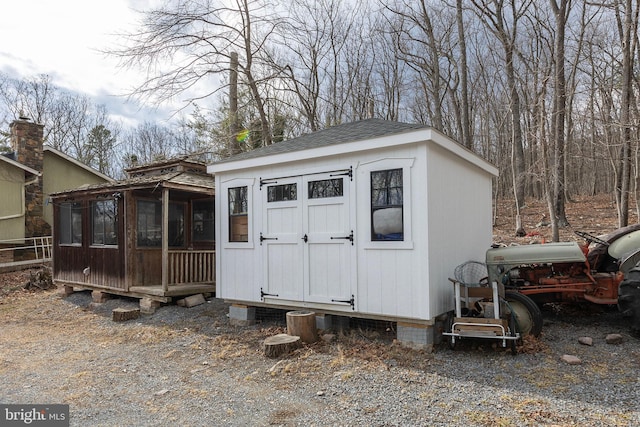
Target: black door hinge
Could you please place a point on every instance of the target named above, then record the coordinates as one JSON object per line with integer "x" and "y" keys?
{"x": 349, "y": 237}
{"x": 262, "y": 238}
{"x": 351, "y": 302}
{"x": 264, "y": 294}
{"x": 348, "y": 173}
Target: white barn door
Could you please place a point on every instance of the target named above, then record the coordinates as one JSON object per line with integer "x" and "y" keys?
{"x": 282, "y": 246}
{"x": 307, "y": 241}
{"x": 328, "y": 249}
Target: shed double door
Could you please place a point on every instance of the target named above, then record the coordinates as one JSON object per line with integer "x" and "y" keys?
{"x": 307, "y": 239}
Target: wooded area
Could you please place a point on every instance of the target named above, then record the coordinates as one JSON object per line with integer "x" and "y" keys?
{"x": 544, "y": 89}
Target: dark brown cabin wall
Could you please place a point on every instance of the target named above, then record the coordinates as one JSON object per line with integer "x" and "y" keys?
{"x": 69, "y": 262}
{"x": 148, "y": 267}
{"x": 144, "y": 265}
{"x": 106, "y": 268}
{"x": 106, "y": 263}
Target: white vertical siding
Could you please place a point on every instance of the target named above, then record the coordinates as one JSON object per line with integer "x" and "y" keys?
{"x": 392, "y": 275}
{"x": 459, "y": 218}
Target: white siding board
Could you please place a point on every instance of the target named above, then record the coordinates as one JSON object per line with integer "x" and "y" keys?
{"x": 238, "y": 280}
{"x": 459, "y": 227}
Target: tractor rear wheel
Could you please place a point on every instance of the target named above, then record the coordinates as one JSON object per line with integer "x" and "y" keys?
{"x": 629, "y": 297}
{"x": 527, "y": 314}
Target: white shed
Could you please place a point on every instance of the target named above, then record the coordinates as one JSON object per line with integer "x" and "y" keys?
{"x": 366, "y": 219}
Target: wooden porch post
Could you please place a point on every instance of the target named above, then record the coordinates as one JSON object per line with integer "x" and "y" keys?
{"x": 165, "y": 239}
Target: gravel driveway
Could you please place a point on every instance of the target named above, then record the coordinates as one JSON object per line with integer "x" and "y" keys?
{"x": 189, "y": 367}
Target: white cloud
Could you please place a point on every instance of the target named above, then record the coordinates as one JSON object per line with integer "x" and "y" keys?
{"x": 63, "y": 39}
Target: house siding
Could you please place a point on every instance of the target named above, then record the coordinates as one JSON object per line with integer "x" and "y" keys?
{"x": 59, "y": 175}
{"x": 12, "y": 208}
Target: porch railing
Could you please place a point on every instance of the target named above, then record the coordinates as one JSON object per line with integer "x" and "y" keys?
{"x": 192, "y": 267}
{"x": 15, "y": 253}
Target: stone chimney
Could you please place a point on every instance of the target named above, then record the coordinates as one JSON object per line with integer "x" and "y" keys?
{"x": 26, "y": 141}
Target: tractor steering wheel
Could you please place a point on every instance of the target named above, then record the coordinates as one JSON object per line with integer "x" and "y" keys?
{"x": 590, "y": 238}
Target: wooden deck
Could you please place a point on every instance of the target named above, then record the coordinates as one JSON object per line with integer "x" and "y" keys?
{"x": 155, "y": 293}
{"x": 174, "y": 290}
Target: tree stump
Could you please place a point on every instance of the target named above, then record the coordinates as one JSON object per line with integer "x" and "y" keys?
{"x": 280, "y": 344}
{"x": 124, "y": 314}
{"x": 302, "y": 324}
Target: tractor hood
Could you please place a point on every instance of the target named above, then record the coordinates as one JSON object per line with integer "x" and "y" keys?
{"x": 501, "y": 260}
{"x": 536, "y": 254}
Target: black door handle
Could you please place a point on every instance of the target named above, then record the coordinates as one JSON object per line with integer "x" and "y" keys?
{"x": 305, "y": 238}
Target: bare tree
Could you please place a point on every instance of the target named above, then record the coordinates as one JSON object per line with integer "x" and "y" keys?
{"x": 502, "y": 18}
{"x": 185, "y": 43}
{"x": 465, "y": 121}
{"x": 561, "y": 11}
{"x": 626, "y": 13}
{"x": 102, "y": 142}
{"x": 148, "y": 143}
{"x": 420, "y": 47}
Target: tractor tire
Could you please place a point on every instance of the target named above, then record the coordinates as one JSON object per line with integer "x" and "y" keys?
{"x": 629, "y": 298}
{"x": 526, "y": 312}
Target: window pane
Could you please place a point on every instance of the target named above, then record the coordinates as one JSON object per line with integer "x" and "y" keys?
{"x": 281, "y": 193}
{"x": 387, "y": 205}
{"x": 238, "y": 217}
{"x": 238, "y": 200}
{"x": 325, "y": 188}
{"x": 203, "y": 221}
{"x": 104, "y": 222}
{"x": 70, "y": 224}
{"x": 149, "y": 223}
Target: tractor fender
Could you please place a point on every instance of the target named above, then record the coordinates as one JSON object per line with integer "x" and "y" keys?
{"x": 624, "y": 245}
{"x": 629, "y": 261}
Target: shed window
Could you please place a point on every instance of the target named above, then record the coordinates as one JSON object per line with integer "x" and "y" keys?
{"x": 70, "y": 224}
{"x": 238, "y": 214}
{"x": 281, "y": 193}
{"x": 149, "y": 224}
{"x": 203, "y": 221}
{"x": 387, "y": 205}
{"x": 325, "y": 188}
{"x": 104, "y": 222}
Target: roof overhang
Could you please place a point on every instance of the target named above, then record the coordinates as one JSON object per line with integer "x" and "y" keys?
{"x": 419, "y": 136}
{"x": 180, "y": 181}
{"x": 26, "y": 169}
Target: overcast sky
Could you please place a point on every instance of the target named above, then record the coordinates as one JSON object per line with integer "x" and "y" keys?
{"x": 61, "y": 38}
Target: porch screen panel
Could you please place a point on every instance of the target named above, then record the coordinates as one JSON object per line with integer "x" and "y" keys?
{"x": 149, "y": 224}
{"x": 203, "y": 221}
{"x": 104, "y": 222}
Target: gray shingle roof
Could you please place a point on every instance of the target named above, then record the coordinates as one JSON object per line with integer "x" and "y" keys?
{"x": 348, "y": 132}
{"x": 196, "y": 182}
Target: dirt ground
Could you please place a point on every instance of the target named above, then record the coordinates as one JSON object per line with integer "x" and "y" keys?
{"x": 595, "y": 215}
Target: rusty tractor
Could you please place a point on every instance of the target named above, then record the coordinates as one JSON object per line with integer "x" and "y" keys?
{"x": 604, "y": 270}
